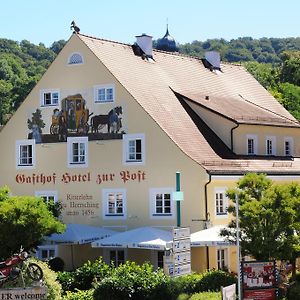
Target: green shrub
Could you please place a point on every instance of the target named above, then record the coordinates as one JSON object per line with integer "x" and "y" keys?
{"x": 134, "y": 282}
{"x": 206, "y": 296}
{"x": 84, "y": 277}
{"x": 201, "y": 296}
{"x": 79, "y": 295}
{"x": 56, "y": 264}
{"x": 294, "y": 291}
{"x": 297, "y": 277}
{"x": 50, "y": 280}
{"x": 213, "y": 280}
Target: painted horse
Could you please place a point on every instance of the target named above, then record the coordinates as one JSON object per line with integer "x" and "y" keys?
{"x": 112, "y": 120}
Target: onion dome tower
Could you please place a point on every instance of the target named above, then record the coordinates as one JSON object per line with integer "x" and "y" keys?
{"x": 167, "y": 43}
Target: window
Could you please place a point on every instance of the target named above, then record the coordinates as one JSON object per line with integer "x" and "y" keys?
{"x": 46, "y": 252}
{"x": 25, "y": 154}
{"x": 160, "y": 259}
{"x": 116, "y": 257}
{"x": 161, "y": 203}
{"x": 49, "y": 98}
{"x": 75, "y": 59}
{"x": 133, "y": 149}
{"x": 47, "y": 195}
{"x": 77, "y": 152}
{"x": 221, "y": 202}
{"x": 114, "y": 203}
{"x": 270, "y": 145}
{"x": 251, "y": 144}
{"x": 104, "y": 93}
{"x": 222, "y": 259}
{"x": 288, "y": 146}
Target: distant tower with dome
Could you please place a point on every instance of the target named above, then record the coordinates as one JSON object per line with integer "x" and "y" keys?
{"x": 167, "y": 43}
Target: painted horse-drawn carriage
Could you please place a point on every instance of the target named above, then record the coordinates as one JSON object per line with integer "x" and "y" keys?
{"x": 73, "y": 117}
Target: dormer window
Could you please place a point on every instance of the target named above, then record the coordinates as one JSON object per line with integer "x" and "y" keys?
{"x": 75, "y": 59}
{"x": 251, "y": 144}
{"x": 288, "y": 146}
{"x": 270, "y": 145}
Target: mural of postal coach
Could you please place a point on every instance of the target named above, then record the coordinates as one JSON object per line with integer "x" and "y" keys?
{"x": 112, "y": 120}
{"x": 73, "y": 116}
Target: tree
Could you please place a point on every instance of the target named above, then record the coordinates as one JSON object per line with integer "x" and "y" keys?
{"x": 24, "y": 221}
{"x": 269, "y": 218}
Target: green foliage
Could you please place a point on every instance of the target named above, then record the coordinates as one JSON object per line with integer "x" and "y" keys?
{"x": 294, "y": 291}
{"x": 131, "y": 281}
{"x": 212, "y": 280}
{"x": 201, "y": 296}
{"x": 56, "y": 264}
{"x": 84, "y": 277}
{"x": 79, "y": 295}
{"x": 269, "y": 217}
{"x": 26, "y": 219}
{"x": 50, "y": 280}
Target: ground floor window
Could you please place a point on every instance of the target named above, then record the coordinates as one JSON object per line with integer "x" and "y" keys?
{"x": 222, "y": 257}
{"x": 160, "y": 259}
{"x": 116, "y": 257}
{"x": 46, "y": 252}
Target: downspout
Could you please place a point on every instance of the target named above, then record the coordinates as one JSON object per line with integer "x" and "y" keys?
{"x": 231, "y": 134}
{"x": 206, "y": 215}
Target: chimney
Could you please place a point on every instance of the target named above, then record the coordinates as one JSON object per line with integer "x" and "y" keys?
{"x": 144, "y": 41}
{"x": 213, "y": 57}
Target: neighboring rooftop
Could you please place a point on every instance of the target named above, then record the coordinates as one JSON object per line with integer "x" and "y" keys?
{"x": 153, "y": 84}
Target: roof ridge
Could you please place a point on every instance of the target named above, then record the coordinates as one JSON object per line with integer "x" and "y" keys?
{"x": 269, "y": 110}
{"x": 179, "y": 54}
{"x": 102, "y": 39}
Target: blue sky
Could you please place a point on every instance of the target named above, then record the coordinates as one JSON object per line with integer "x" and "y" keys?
{"x": 47, "y": 21}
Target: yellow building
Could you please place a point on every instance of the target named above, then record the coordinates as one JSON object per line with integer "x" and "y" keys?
{"x": 109, "y": 124}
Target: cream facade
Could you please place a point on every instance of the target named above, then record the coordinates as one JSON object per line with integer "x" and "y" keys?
{"x": 105, "y": 131}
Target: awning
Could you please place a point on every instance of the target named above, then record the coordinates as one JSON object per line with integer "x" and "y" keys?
{"x": 79, "y": 234}
{"x": 209, "y": 237}
{"x": 142, "y": 237}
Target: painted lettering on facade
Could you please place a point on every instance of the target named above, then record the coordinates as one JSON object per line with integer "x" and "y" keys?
{"x": 68, "y": 178}
{"x": 80, "y": 205}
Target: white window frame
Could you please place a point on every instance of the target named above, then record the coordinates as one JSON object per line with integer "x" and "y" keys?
{"x": 105, "y": 205}
{"x": 106, "y": 254}
{"x": 70, "y": 63}
{"x": 127, "y": 139}
{"x": 221, "y": 191}
{"x": 290, "y": 141}
{"x": 255, "y": 144}
{"x": 47, "y": 194}
{"x": 152, "y": 203}
{"x": 105, "y": 88}
{"x": 47, "y": 248}
{"x": 19, "y": 144}
{"x": 270, "y": 145}
{"x": 225, "y": 259}
{"x": 77, "y": 140}
{"x": 49, "y": 91}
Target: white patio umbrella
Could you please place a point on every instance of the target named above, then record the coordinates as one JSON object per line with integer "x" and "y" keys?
{"x": 77, "y": 234}
{"x": 209, "y": 237}
{"x": 142, "y": 237}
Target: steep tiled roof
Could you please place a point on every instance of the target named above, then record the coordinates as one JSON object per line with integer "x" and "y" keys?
{"x": 152, "y": 84}
{"x": 241, "y": 110}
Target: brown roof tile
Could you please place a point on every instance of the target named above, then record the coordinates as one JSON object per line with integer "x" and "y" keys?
{"x": 152, "y": 84}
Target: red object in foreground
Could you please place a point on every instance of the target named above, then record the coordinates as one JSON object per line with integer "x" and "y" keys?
{"x": 267, "y": 294}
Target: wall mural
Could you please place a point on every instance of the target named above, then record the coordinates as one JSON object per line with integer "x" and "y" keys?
{"x": 74, "y": 119}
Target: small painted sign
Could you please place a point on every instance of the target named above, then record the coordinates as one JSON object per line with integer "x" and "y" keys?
{"x": 24, "y": 293}
{"x": 181, "y": 233}
{"x": 182, "y": 245}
